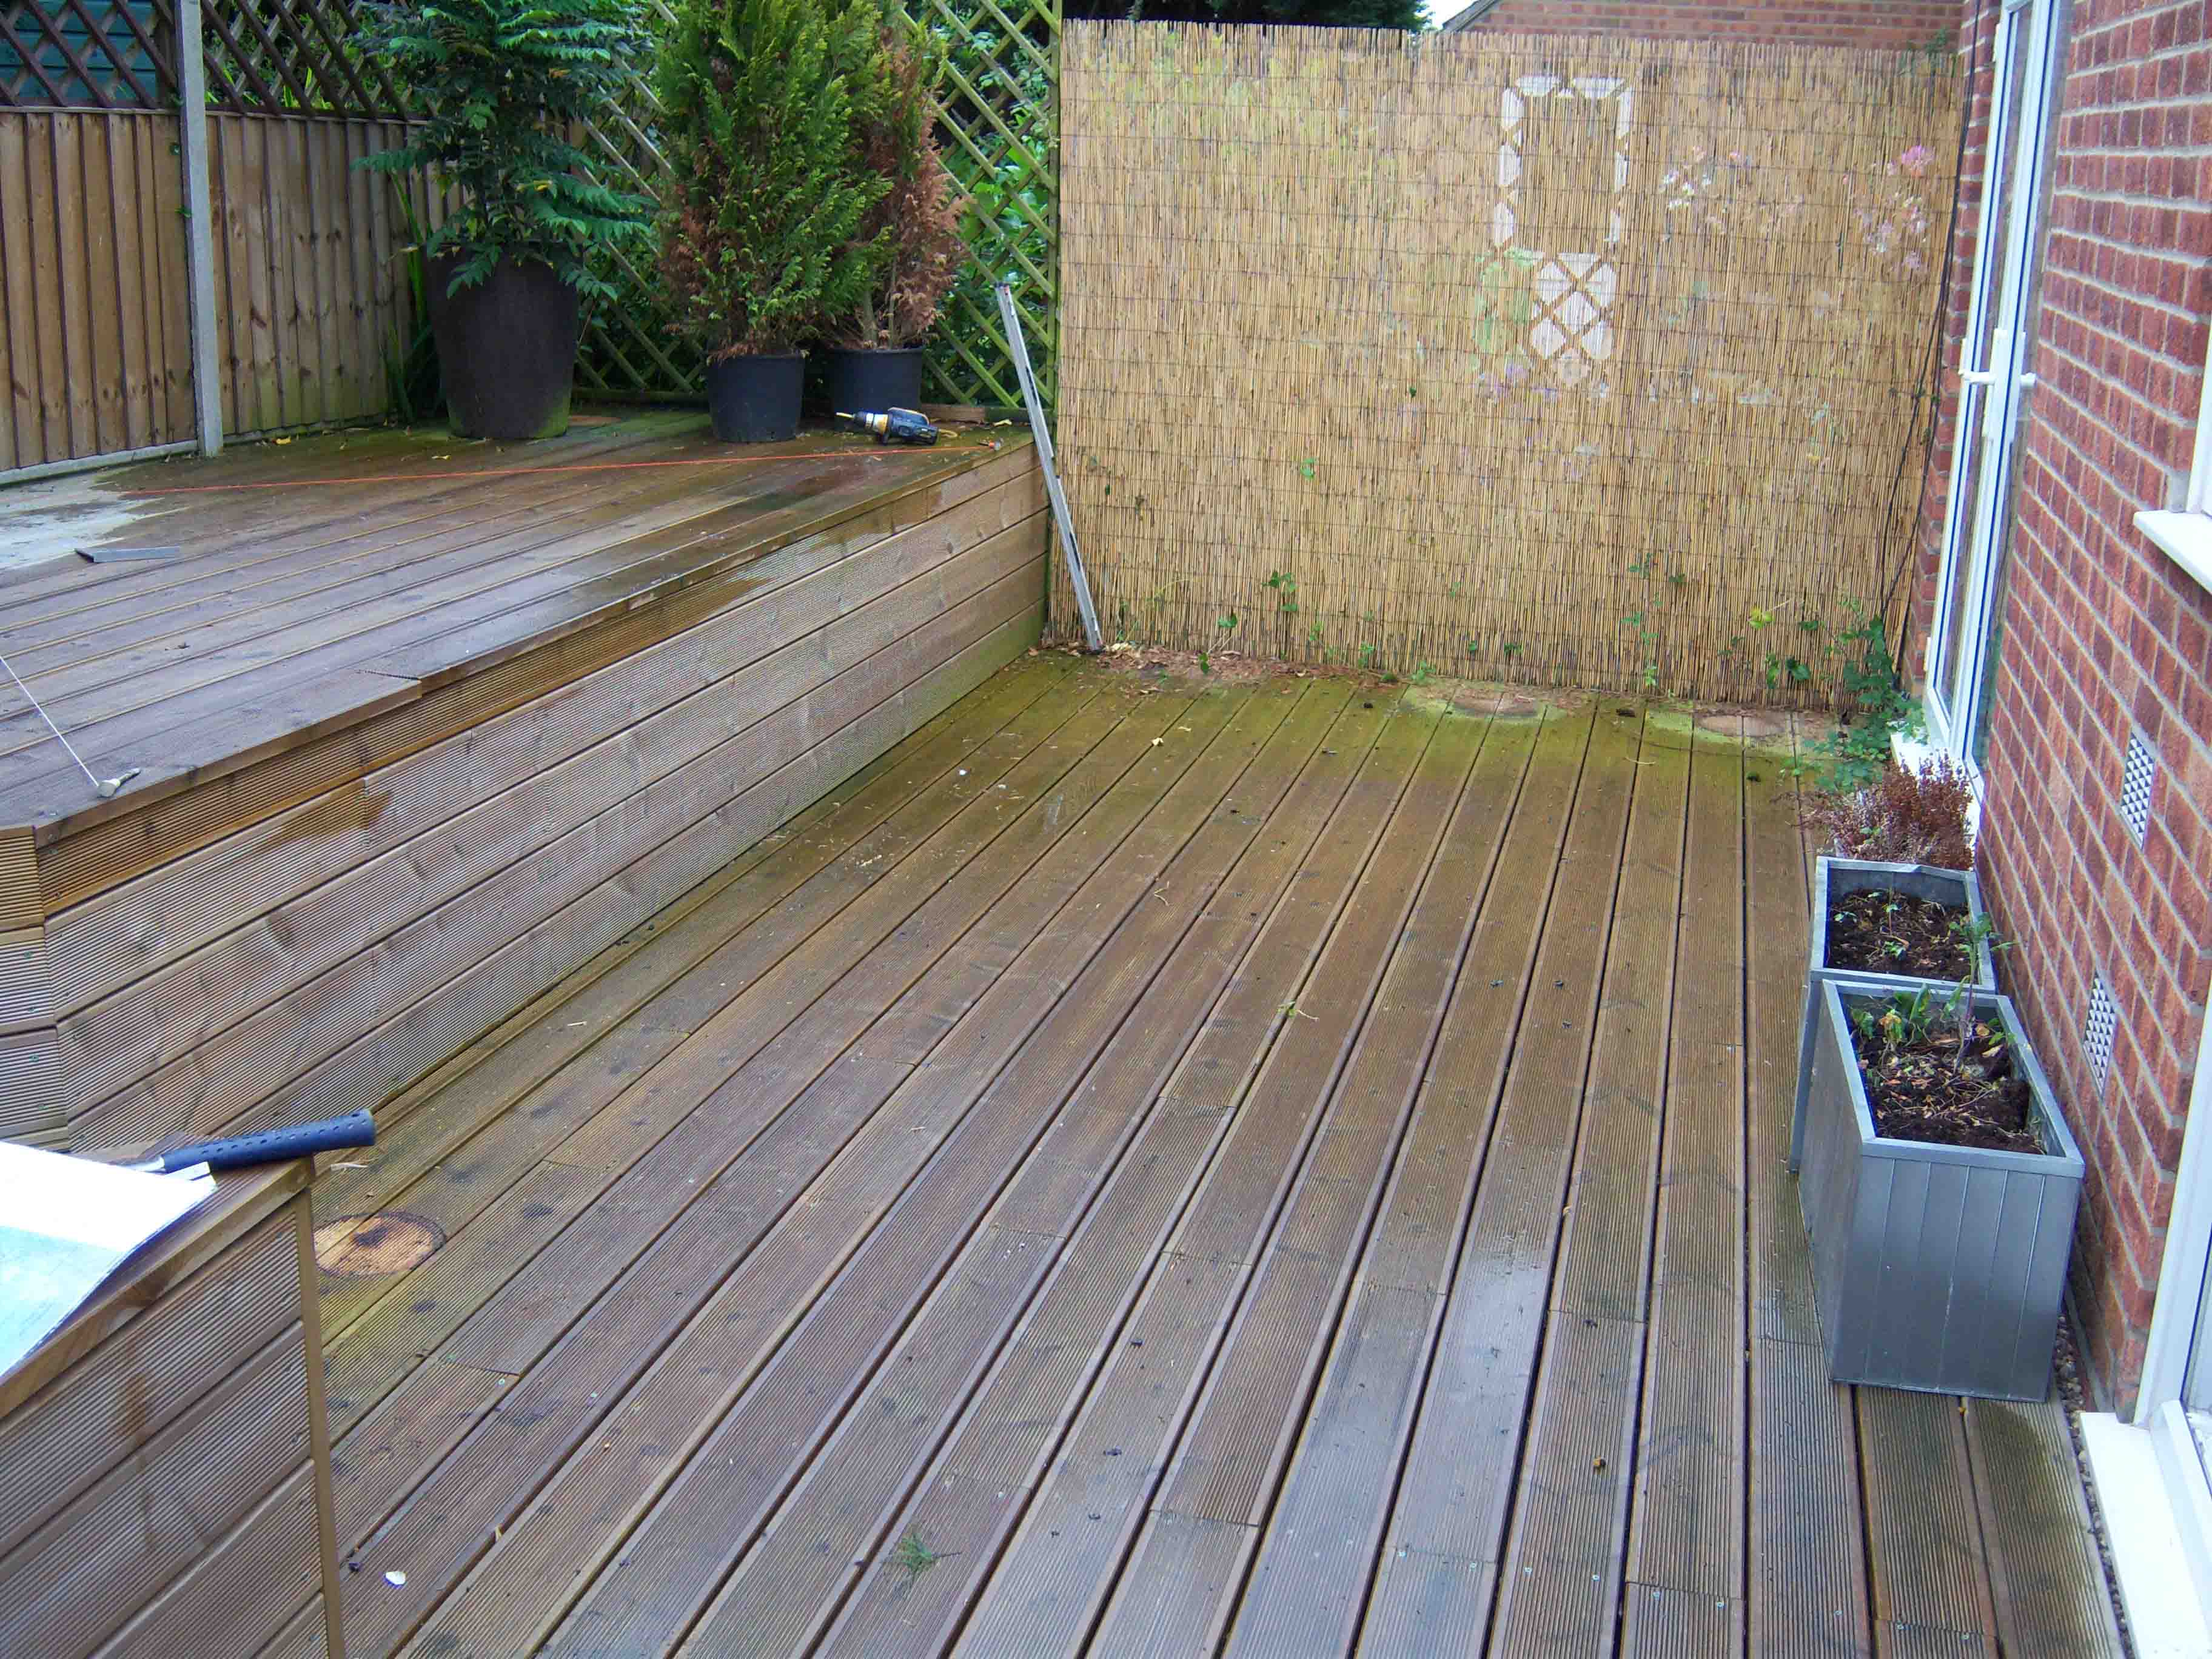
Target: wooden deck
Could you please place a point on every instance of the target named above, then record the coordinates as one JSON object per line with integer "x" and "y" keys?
{"x": 315, "y": 582}
{"x": 416, "y": 727}
{"x": 1149, "y": 1170}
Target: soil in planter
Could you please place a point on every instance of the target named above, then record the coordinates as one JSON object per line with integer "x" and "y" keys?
{"x": 1882, "y": 931}
{"x": 1920, "y": 1090}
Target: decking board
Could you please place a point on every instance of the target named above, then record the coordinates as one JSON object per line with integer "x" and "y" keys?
{"x": 1082, "y": 1192}
{"x": 1455, "y": 1496}
{"x": 1561, "y": 1580}
{"x": 610, "y": 1350}
{"x": 1807, "y": 1584}
{"x": 1175, "y": 862}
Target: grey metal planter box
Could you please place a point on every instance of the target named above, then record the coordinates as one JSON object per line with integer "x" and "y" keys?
{"x": 1934, "y": 1268}
{"x": 1833, "y": 879}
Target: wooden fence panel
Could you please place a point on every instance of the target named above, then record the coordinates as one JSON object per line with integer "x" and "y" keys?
{"x": 92, "y": 341}
{"x": 308, "y": 301}
{"x": 1578, "y": 361}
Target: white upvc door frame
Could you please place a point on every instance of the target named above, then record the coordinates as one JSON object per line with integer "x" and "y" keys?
{"x": 2183, "y": 1269}
{"x": 1992, "y": 383}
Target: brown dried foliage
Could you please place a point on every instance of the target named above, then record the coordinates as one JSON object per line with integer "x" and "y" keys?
{"x": 1902, "y": 817}
{"x": 919, "y": 216}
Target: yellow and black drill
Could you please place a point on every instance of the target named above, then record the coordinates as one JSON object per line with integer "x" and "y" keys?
{"x": 894, "y": 426}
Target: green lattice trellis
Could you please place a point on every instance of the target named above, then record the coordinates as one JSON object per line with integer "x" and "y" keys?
{"x": 998, "y": 99}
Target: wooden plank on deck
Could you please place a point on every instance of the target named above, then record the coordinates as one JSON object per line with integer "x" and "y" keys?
{"x": 1059, "y": 1565}
{"x": 2046, "y": 1572}
{"x": 1448, "y": 1520}
{"x": 1246, "y": 1428}
{"x": 1925, "y": 1549}
{"x": 1686, "y": 1517}
{"x": 1808, "y": 1579}
{"x": 611, "y": 1349}
{"x": 1560, "y": 1582}
{"x": 685, "y": 1543}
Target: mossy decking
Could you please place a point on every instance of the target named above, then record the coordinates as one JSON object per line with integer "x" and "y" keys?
{"x": 1143, "y": 1169}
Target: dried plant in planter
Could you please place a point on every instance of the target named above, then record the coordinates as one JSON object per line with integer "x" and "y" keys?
{"x": 913, "y": 230}
{"x": 1901, "y": 818}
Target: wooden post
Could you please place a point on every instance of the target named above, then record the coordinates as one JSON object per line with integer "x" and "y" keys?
{"x": 319, "y": 1422}
{"x": 199, "y": 223}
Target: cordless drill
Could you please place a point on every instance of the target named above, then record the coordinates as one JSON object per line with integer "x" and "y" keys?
{"x": 894, "y": 426}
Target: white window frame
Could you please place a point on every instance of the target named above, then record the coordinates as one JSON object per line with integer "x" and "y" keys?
{"x": 2007, "y": 249}
{"x": 2185, "y": 534}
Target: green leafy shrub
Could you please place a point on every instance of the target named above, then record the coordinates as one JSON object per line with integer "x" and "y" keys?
{"x": 496, "y": 85}
{"x": 763, "y": 102}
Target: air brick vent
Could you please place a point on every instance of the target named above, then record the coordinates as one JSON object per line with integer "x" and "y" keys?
{"x": 2137, "y": 778}
{"x": 2097, "y": 1030}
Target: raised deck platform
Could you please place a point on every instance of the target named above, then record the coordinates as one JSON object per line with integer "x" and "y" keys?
{"x": 420, "y": 725}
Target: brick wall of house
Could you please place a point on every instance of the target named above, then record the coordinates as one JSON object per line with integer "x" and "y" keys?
{"x": 1880, "y": 23}
{"x": 2104, "y": 637}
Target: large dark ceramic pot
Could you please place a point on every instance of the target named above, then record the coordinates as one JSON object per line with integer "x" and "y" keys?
{"x": 506, "y": 349}
{"x": 855, "y": 380}
{"x": 755, "y": 399}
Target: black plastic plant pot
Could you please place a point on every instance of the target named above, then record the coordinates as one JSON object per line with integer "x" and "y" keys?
{"x": 1835, "y": 879}
{"x": 506, "y": 349}
{"x": 855, "y": 380}
{"x": 1934, "y": 1268}
{"x": 755, "y": 400}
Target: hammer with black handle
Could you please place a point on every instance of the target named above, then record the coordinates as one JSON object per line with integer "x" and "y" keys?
{"x": 269, "y": 1145}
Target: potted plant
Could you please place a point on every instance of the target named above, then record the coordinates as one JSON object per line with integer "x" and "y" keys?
{"x": 761, "y": 244}
{"x": 497, "y": 85}
{"x": 1939, "y": 1190}
{"x": 872, "y": 359}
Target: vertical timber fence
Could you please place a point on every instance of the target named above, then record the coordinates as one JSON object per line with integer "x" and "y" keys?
{"x": 310, "y": 296}
{"x": 1563, "y": 360}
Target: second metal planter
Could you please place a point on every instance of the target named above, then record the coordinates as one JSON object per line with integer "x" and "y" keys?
{"x": 1834, "y": 879}
{"x": 1934, "y": 1268}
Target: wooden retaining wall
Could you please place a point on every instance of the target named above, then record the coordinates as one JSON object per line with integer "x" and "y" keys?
{"x": 311, "y": 933}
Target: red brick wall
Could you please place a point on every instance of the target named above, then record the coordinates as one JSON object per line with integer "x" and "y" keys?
{"x": 1882, "y": 23}
{"x": 2105, "y": 636}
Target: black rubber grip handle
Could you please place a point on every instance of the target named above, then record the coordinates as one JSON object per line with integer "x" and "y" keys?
{"x": 274, "y": 1145}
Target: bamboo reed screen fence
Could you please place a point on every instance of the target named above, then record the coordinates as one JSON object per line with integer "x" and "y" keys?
{"x": 1563, "y": 360}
